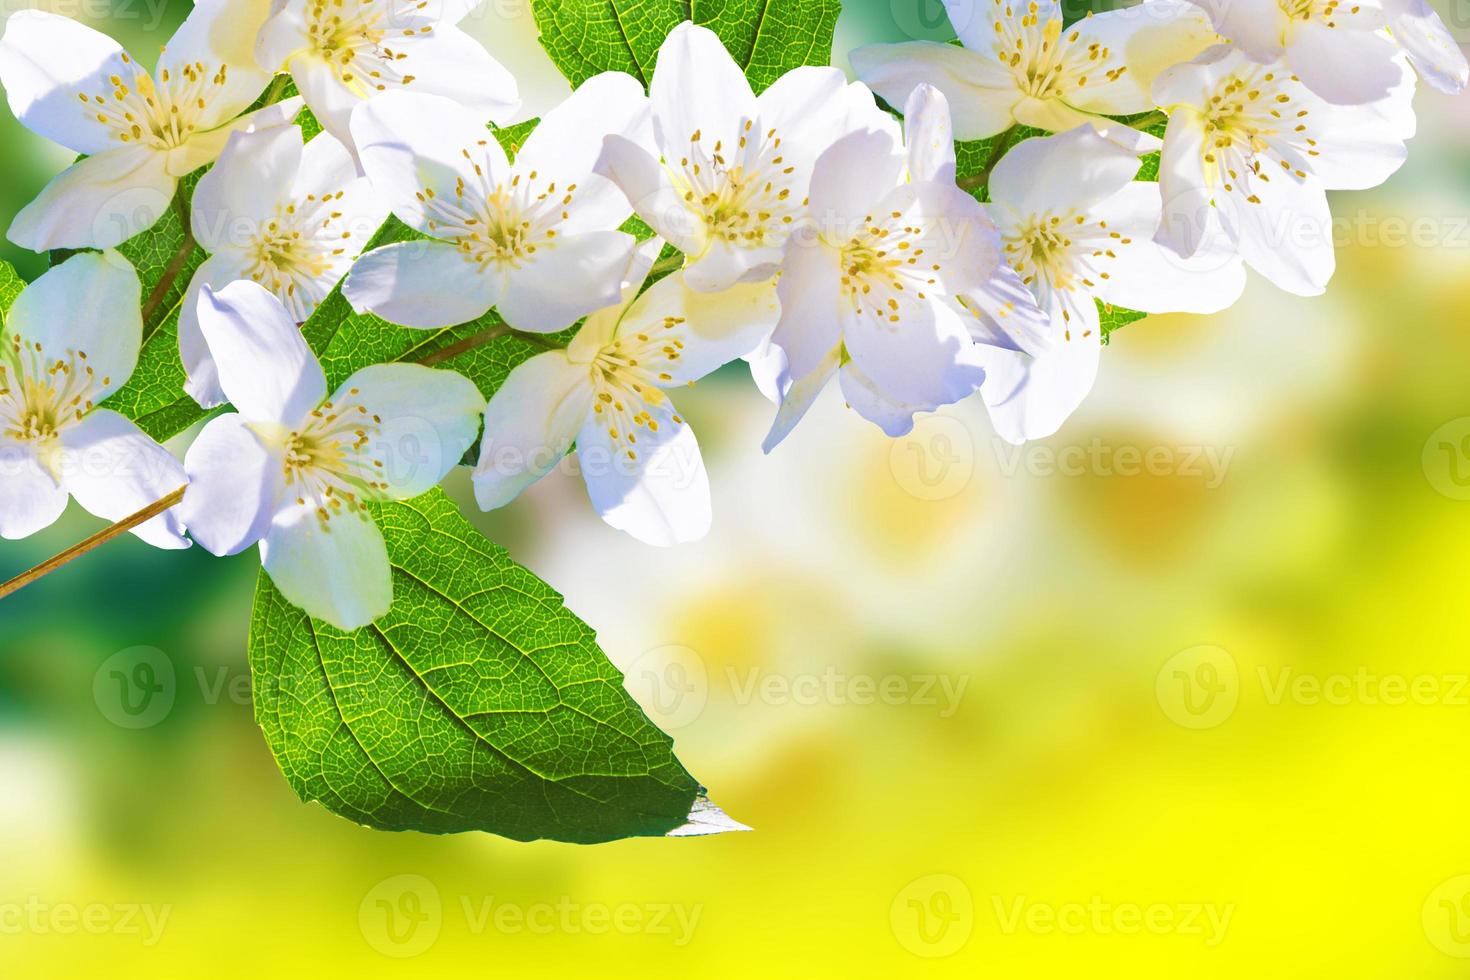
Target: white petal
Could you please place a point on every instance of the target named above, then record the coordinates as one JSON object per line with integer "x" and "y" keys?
{"x": 1257, "y": 26}
{"x": 1007, "y": 314}
{"x": 235, "y": 484}
{"x": 1032, "y": 397}
{"x": 713, "y": 329}
{"x": 284, "y": 34}
{"x": 645, "y": 183}
{"x": 1433, "y": 49}
{"x": 265, "y": 367}
{"x": 413, "y": 144}
{"x": 89, "y": 303}
{"x": 662, "y": 496}
{"x": 217, "y": 271}
{"x": 114, "y": 470}
{"x": 808, "y": 107}
{"x": 1362, "y": 146}
{"x": 801, "y": 393}
{"x": 566, "y": 280}
{"x": 599, "y": 329}
{"x": 982, "y": 95}
{"x": 1287, "y": 236}
{"x": 247, "y": 185}
{"x": 202, "y": 149}
{"x": 425, "y": 285}
{"x": 1344, "y": 66}
{"x": 921, "y": 361}
{"x": 31, "y": 499}
{"x": 856, "y": 173}
{"x": 1073, "y": 170}
{"x": 429, "y": 418}
{"x": 530, "y": 424}
{"x": 724, "y": 263}
{"x": 810, "y": 294}
{"x": 337, "y": 572}
{"x": 930, "y": 136}
{"x": 893, "y": 416}
{"x": 1188, "y": 211}
{"x": 47, "y": 64}
{"x": 449, "y": 62}
{"x": 565, "y": 147}
{"x": 220, "y": 33}
{"x": 698, "y": 88}
{"x": 97, "y": 202}
{"x": 974, "y": 20}
{"x": 1149, "y": 38}
{"x": 1145, "y": 276}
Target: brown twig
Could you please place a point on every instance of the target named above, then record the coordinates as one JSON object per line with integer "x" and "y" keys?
{"x": 175, "y": 265}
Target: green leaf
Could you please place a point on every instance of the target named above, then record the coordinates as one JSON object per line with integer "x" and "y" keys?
{"x": 478, "y": 703}
{"x": 11, "y": 285}
{"x": 767, "y": 38}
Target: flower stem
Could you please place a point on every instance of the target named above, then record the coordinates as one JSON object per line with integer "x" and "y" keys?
{"x": 1002, "y": 144}
{"x": 1149, "y": 121}
{"x": 95, "y": 541}
{"x": 175, "y": 265}
{"x": 480, "y": 340}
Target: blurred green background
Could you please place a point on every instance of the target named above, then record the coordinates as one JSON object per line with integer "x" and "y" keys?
{"x": 1180, "y": 691}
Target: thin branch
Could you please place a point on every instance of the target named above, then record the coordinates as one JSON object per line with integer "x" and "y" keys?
{"x": 1149, "y": 121}
{"x": 1002, "y": 144}
{"x": 480, "y": 340}
{"x": 175, "y": 265}
{"x": 95, "y": 541}
{"x": 277, "y": 90}
{"x": 671, "y": 264}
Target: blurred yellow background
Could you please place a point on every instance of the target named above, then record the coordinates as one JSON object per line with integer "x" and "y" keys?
{"x": 1183, "y": 691}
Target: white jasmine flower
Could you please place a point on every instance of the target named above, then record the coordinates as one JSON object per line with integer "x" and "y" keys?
{"x": 1430, "y": 46}
{"x": 1078, "y": 229}
{"x": 537, "y": 240}
{"x": 726, "y": 175}
{"x": 293, "y": 468}
{"x": 871, "y": 288}
{"x": 1020, "y": 65}
{"x": 70, "y": 340}
{"x": 344, "y": 52}
{"x": 1251, "y": 149}
{"x": 141, "y": 132}
{"x": 606, "y": 393}
{"x": 1338, "y": 50}
{"x": 289, "y": 216}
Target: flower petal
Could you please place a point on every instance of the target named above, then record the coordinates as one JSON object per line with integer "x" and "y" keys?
{"x": 424, "y": 285}
{"x": 530, "y": 423}
{"x": 800, "y": 395}
{"x": 565, "y": 280}
{"x": 1007, "y": 314}
{"x": 658, "y": 493}
{"x": 448, "y": 62}
{"x": 930, "y": 136}
{"x": 336, "y": 571}
{"x": 202, "y": 381}
{"x": 246, "y": 186}
{"x": 265, "y": 367}
{"x": 920, "y": 361}
{"x": 235, "y": 485}
{"x": 708, "y": 330}
{"x": 1431, "y": 46}
{"x": 982, "y": 95}
{"x": 97, "y": 202}
{"x": 856, "y": 173}
{"x": 1071, "y": 171}
{"x": 1031, "y": 397}
{"x": 428, "y": 418}
{"x": 88, "y": 304}
{"x": 114, "y": 470}
{"x": 646, "y": 184}
{"x": 48, "y": 65}
{"x": 810, "y": 294}
{"x": 1344, "y": 66}
{"x": 202, "y": 149}
{"x": 220, "y": 35}
{"x": 698, "y": 88}
{"x": 31, "y": 499}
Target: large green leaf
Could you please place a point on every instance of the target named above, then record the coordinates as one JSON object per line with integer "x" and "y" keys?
{"x": 478, "y": 703}
{"x": 767, "y": 38}
{"x": 11, "y": 285}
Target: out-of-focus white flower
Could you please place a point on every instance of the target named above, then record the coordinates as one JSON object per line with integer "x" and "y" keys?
{"x": 726, "y": 173}
{"x": 1249, "y": 148}
{"x": 1430, "y": 46}
{"x": 1078, "y": 229}
{"x": 1019, "y": 64}
{"x": 871, "y": 285}
{"x": 605, "y": 392}
{"x": 289, "y": 216}
{"x": 141, "y": 132}
{"x": 537, "y": 240}
{"x": 294, "y": 468}
{"x": 1338, "y": 50}
{"x": 70, "y": 340}
{"x": 345, "y": 52}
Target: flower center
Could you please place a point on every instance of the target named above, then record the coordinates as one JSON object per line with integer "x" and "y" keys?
{"x": 626, "y": 379}
{"x": 881, "y": 262}
{"x": 329, "y": 462}
{"x": 295, "y": 253}
{"x": 162, "y": 114}
{"x": 1047, "y": 65}
{"x": 744, "y": 195}
{"x": 1322, "y": 11}
{"x": 1063, "y": 254}
{"x": 354, "y": 39}
{"x": 41, "y": 394}
{"x": 498, "y": 224}
{"x": 1250, "y": 115}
